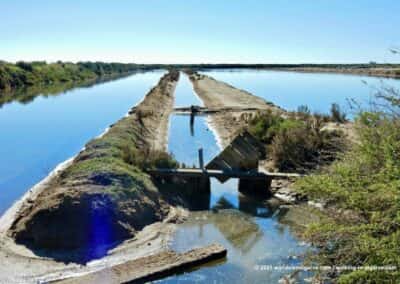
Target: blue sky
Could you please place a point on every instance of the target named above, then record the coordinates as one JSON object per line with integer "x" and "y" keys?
{"x": 194, "y": 31}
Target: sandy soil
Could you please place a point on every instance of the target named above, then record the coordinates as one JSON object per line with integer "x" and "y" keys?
{"x": 216, "y": 94}
{"x": 156, "y": 109}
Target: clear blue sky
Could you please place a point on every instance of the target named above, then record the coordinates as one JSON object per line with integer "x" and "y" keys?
{"x": 194, "y": 31}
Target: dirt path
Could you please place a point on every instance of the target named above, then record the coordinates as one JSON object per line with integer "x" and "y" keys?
{"x": 219, "y": 95}
{"x": 153, "y": 115}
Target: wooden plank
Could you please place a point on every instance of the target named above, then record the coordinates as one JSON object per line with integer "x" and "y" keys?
{"x": 152, "y": 267}
{"x": 196, "y": 172}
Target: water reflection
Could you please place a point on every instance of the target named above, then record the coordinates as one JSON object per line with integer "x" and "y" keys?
{"x": 185, "y": 146}
{"x": 184, "y": 93}
{"x": 28, "y": 94}
{"x": 250, "y": 228}
{"x": 250, "y": 241}
{"x": 37, "y": 136}
{"x": 290, "y": 89}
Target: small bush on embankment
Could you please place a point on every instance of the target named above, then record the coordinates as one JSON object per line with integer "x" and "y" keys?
{"x": 298, "y": 142}
{"x": 364, "y": 187}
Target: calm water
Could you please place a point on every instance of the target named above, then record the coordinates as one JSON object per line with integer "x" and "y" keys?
{"x": 290, "y": 90}
{"x": 184, "y": 93}
{"x": 248, "y": 228}
{"x": 37, "y": 136}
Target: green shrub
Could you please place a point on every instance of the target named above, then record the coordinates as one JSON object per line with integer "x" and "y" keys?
{"x": 146, "y": 160}
{"x": 303, "y": 148}
{"x": 267, "y": 124}
{"x": 365, "y": 186}
{"x": 25, "y": 65}
{"x": 296, "y": 144}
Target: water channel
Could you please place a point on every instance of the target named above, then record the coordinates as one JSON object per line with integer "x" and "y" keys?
{"x": 39, "y": 134}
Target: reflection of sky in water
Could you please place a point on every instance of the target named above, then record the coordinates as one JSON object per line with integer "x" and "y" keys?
{"x": 290, "y": 90}
{"x": 184, "y": 93}
{"x": 184, "y": 146}
{"x": 227, "y": 191}
{"x": 252, "y": 235}
{"x": 37, "y": 136}
{"x": 249, "y": 240}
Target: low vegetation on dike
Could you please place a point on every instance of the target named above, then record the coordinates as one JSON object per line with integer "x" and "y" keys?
{"x": 119, "y": 158}
{"x": 25, "y": 74}
{"x": 104, "y": 196}
{"x": 299, "y": 142}
{"x": 118, "y": 162}
{"x": 362, "y": 193}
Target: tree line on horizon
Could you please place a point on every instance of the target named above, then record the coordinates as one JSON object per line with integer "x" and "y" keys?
{"x": 25, "y": 74}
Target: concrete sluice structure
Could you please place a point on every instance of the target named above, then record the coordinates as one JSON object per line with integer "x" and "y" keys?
{"x": 192, "y": 192}
{"x": 238, "y": 160}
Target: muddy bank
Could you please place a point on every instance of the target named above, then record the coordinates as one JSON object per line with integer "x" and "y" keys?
{"x": 102, "y": 196}
{"x": 219, "y": 95}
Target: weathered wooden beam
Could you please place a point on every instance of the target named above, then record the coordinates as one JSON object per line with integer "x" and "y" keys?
{"x": 204, "y": 110}
{"x": 196, "y": 172}
{"x": 152, "y": 267}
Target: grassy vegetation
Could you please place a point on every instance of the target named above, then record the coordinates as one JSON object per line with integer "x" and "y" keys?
{"x": 363, "y": 188}
{"x": 118, "y": 158}
{"x": 23, "y": 74}
{"x": 298, "y": 142}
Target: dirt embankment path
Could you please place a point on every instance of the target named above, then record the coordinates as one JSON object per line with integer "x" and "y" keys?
{"x": 373, "y": 72}
{"x": 98, "y": 204}
{"x": 216, "y": 94}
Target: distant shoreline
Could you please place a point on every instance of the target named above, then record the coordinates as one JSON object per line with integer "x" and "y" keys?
{"x": 374, "y": 70}
{"x": 25, "y": 74}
